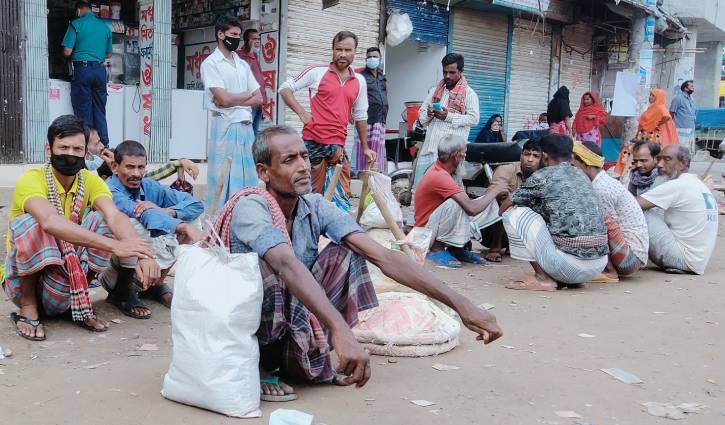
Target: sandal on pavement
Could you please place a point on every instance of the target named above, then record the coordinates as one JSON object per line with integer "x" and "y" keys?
{"x": 15, "y": 317}
{"x": 471, "y": 258}
{"x": 274, "y": 381}
{"x": 603, "y": 278}
{"x": 444, "y": 259}
{"x": 493, "y": 256}
{"x": 672, "y": 270}
{"x": 529, "y": 285}
{"x": 127, "y": 305}
{"x": 157, "y": 293}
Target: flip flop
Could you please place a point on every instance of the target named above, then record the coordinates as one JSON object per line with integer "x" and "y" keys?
{"x": 603, "y": 278}
{"x": 444, "y": 259}
{"x": 672, "y": 270}
{"x": 15, "y": 317}
{"x": 157, "y": 293}
{"x": 471, "y": 258}
{"x": 88, "y": 327}
{"x": 126, "y": 306}
{"x": 525, "y": 286}
{"x": 274, "y": 380}
{"x": 493, "y": 256}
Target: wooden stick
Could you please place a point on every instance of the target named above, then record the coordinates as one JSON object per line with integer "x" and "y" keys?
{"x": 333, "y": 182}
{"x": 390, "y": 221}
{"x": 363, "y": 194}
{"x": 226, "y": 169}
{"x": 707, "y": 170}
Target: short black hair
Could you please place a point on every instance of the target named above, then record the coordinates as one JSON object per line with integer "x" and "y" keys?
{"x": 128, "y": 148}
{"x": 654, "y": 148}
{"x": 372, "y": 49}
{"x": 343, "y": 35}
{"x": 260, "y": 148}
{"x": 452, "y": 58}
{"x": 82, "y": 4}
{"x": 66, "y": 126}
{"x": 248, "y": 33}
{"x": 224, "y": 23}
{"x": 592, "y": 147}
{"x": 682, "y": 87}
{"x": 559, "y": 147}
{"x": 532, "y": 145}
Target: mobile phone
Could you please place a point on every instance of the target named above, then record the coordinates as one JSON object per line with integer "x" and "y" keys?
{"x": 437, "y": 106}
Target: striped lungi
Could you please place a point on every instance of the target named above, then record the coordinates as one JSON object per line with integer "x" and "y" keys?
{"x": 451, "y": 225}
{"x": 233, "y": 141}
{"x": 620, "y": 254}
{"x": 664, "y": 249}
{"x": 530, "y": 240}
{"x": 287, "y": 325}
{"x": 35, "y": 252}
{"x": 376, "y": 142}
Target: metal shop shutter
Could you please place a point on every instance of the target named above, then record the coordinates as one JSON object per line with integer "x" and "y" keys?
{"x": 576, "y": 62}
{"x": 529, "y": 86}
{"x": 430, "y": 21}
{"x": 483, "y": 40}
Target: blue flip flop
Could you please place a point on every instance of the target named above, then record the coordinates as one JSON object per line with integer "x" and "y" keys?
{"x": 469, "y": 257}
{"x": 444, "y": 259}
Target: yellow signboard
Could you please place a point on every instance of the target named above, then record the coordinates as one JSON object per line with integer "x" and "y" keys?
{"x": 722, "y": 88}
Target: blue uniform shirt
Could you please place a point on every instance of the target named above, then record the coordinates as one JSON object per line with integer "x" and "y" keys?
{"x": 89, "y": 38}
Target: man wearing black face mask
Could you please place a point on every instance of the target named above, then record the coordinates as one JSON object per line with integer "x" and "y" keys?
{"x": 63, "y": 228}
{"x": 230, "y": 93}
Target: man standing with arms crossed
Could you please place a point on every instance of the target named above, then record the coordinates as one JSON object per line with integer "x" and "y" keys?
{"x": 250, "y": 54}
{"x": 682, "y": 109}
{"x": 87, "y": 43}
{"x": 337, "y": 95}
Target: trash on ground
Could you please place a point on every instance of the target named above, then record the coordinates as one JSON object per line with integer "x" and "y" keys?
{"x": 670, "y": 411}
{"x": 94, "y": 366}
{"x": 148, "y": 347}
{"x": 444, "y": 367}
{"x": 5, "y": 353}
{"x": 422, "y": 403}
{"x": 117, "y": 321}
{"x": 290, "y": 417}
{"x": 568, "y": 414}
{"x": 509, "y": 347}
{"x": 486, "y": 306}
{"x": 587, "y": 336}
{"x": 622, "y": 375}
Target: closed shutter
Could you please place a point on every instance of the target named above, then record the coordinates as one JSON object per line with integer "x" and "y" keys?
{"x": 158, "y": 149}
{"x": 311, "y": 30}
{"x": 530, "y": 62}
{"x": 576, "y": 62}
{"x": 430, "y": 20}
{"x": 483, "y": 40}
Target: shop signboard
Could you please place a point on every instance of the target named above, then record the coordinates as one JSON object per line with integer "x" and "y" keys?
{"x": 269, "y": 62}
{"x": 194, "y": 55}
{"x": 553, "y": 9}
{"x": 146, "y": 51}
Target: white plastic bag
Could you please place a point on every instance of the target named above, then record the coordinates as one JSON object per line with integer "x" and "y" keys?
{"x": 214, "y": 317}
{"x": 398, "y": 29}
{"x": 290, "y": 417}
{"x": 372, "y": 218}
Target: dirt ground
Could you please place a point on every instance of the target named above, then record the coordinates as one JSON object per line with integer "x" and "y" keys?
{"x": 665, "y": 329}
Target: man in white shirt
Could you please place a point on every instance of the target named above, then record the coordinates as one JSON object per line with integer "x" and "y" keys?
{"x": 626, "y": 226}
{"x": 230, "y": 92}
{"x": 683, "y": 227}
{"x": 450, "y": 109}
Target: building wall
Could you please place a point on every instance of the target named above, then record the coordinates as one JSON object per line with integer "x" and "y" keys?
{"x": 707, "y": 74}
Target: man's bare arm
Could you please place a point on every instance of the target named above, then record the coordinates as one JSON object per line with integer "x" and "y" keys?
{"x": 476, "y": 206}
{"x": 645, "y": 204}
{"x": 291, "y": 101}
{"x": 67, "y": 52}
{"x": 224, "y": 99}
{"x": 401, "y": 268}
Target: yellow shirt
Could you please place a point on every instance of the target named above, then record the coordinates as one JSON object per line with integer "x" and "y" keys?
{"x": 32, "y": 184}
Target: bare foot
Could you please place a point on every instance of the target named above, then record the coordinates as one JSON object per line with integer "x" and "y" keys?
{"x": 96, "y": 323}
{"x": 30, "y": 311}
{"x": 533, "y": 283}
{"x": 493, "y": 256}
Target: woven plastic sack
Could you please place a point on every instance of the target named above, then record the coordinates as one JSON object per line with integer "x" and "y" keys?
{"x": 406, "y": 325}
{"x": 371, "y": 217}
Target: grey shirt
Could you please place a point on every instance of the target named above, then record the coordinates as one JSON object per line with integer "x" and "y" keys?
{"x": 683, "y": 110}
{"x": 252, "y": 229}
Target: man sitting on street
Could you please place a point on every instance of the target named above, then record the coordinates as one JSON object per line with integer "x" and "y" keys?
{"x": 557, "y": 222}
{"x": 63, "y": 228}
{"x": 161, "y": 216}
{"x": 644, "y": 167}
{"x": 443, "y": 206}
{"x": 511, "y": 176}
{"x": 311, "y": 298}
{"x": 683, "y": 227}
{"x": 626, "y": 226}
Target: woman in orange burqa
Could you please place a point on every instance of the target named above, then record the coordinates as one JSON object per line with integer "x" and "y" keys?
{"x": 655, "y": 125}
{"x": 590, "y": 116}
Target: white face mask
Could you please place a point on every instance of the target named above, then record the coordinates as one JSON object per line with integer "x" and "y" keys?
{"x": 94, "y": 163}
{"x": 373, "y": 63}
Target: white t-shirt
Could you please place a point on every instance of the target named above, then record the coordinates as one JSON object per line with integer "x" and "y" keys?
{"x": 691, "y": 214}
{"x": 217, "y": 71}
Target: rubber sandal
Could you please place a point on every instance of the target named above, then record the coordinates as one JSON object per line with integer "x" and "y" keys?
{"x": 672, "y": 270}
{"x": 274, "y": 380}
{"x": 524, "y": 286}
{"x": 15, "y": 317}
{"x": 444, "y": 259}
{"x": 88, "y": 327}
{"x": 126, "y": 306}
{"x": 157, "y": 293}
{"x": 603, "y": 278}
{"x": 494, "y": 257}
{"x": 471, "y": 258}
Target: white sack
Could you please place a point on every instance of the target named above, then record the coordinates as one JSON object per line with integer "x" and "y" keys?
{"x": 398, "y": 29}
{"x": 372, "y": 218}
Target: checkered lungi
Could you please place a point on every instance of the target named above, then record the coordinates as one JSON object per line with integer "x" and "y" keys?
{"x": 323, "y": 159}
{"x": 376, "y": 142}
{"x": 288, "y": 324}
{"x": 620, "y": 254}
{"x": 35, "y": 252}
{"x": 530, "y": 240}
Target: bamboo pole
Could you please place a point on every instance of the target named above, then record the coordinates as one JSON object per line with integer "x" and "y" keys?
{"x": 390, "y": 221}
{"x": 363, "y": 194}
{"x": 333, "y": 183}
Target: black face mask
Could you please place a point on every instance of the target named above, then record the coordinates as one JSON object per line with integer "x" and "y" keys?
{"x": 68, "y": 165}
{"x": 232, "y": 43}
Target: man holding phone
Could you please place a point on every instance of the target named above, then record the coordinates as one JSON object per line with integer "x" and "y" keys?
{"x": 450, "y": 109}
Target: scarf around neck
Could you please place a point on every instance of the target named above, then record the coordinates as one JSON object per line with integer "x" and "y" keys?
{"x": 456, "y": 96}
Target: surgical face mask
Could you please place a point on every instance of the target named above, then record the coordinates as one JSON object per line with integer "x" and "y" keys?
{"x": 94, "y": 163}
{"x": 373, "y": 63}
{"x": 67, "y": 165}
{"x": 257, "y": 51}
{"x": 232, "y": 43}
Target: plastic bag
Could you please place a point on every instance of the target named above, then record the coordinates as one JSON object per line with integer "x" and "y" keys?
{"x": 371, "y": 217}
{"x": 398, "y": 29}
{"x": 290, "y": 417}
{"x": 214, "y": 318}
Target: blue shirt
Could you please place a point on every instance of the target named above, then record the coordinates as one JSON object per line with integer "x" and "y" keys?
{"x": 252, "y": 229}
{"x": 683, "y": 109}
{"x": 90, "y": 39}
{"x": 158, "y": 222}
